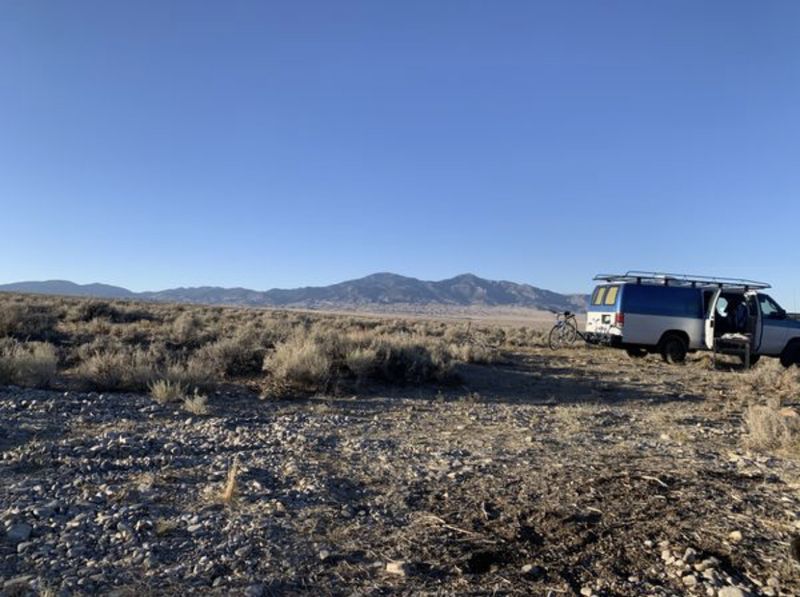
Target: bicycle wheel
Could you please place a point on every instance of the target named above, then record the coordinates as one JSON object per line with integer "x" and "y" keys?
{"x": 562, "y": 334}
{"x": 570, "y": 333}
{"x": 554, "y": 340}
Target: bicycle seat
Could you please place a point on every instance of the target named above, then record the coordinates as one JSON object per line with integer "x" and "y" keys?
{"x": 567, "y": 313}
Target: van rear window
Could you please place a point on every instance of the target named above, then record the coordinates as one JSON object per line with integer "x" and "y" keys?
{"x": 599, "y": 294}
{"x": 611, "y": 295}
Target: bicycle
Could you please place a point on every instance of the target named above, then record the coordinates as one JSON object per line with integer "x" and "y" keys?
{"x": 565, "y": 331}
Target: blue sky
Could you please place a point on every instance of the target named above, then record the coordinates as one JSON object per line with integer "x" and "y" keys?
{"x": 264, "y": 144}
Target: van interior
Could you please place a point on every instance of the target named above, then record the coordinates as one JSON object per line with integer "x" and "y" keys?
{"x": 735, "y": 313}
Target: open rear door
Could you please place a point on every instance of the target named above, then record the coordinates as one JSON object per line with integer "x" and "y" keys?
{"x": 711, "y": 316}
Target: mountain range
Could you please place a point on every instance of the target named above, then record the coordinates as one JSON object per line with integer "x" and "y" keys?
{"x": 371, "y": 292}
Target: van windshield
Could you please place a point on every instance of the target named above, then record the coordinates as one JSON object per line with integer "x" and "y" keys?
{"x": 769, "y": 308}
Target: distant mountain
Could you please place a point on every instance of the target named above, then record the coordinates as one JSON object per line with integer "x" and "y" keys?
{"x": 375, "y": 291}
{"x": 66, "y": 288}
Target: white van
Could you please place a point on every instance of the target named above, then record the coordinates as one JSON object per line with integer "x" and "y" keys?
{"x": 673, "y": 314}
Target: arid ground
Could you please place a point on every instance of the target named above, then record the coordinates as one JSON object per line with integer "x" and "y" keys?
{"x": 521, "y": 471}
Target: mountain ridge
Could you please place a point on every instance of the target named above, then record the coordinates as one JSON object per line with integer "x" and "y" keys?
{"x": 375, "y": 290}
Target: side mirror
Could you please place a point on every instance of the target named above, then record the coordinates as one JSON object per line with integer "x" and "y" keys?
{"x": 781, "y": 314}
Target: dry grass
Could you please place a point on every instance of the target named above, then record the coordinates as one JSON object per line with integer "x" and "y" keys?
{"x": 165, "y": 391}
{"x": 165, "y": 526}
{"x": 231, "y": 483}
{"x": 772, "y": 429}
{"x": 127, "y": 346}
{"x": 196, "y": 404}
{"x": 27, "y": 363}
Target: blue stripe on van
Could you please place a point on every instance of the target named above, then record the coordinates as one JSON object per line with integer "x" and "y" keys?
{"x": 782, "y": 323}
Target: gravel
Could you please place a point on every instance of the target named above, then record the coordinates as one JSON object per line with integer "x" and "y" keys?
{"x": 406, "y": 492}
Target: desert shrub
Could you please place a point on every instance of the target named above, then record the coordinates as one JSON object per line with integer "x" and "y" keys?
{"x": 317, "y": 359}
{"x": 29, "y": 322}
{"x": 770, "y": 428}
{"x": 242, "y": 354}
{"x": 411, "y": 361}
{"x": 191, "y": 374}
{"x": 129, "y": 313}
{"x": 363, "y": 362}
{"x": 473, "y": 353}
{"x": 94, "y": 309}
{"x": 523, "y": 337}
{"x": 31, "y": 364}
{"x": 301, "y": 360}
{"x": 457, "y": 334}
{"x": 125, "y": 369}
{"x": 186, "y": 329}
{"x": 6, "y": 370}
{"x": 771, "y": 381}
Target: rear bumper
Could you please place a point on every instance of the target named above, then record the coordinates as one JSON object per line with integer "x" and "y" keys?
{"x": 604, "y": 339}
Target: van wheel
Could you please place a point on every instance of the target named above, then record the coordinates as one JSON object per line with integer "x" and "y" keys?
{"x": 673, "y": 349}
{"x": 636, "y": 353}
{"x": 791, "y": 355}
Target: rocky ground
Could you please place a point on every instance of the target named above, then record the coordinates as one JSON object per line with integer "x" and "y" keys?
{"x": 576, "y": 472}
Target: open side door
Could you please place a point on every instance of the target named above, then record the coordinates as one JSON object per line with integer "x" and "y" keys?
{"x": 756, "y": 324}
{"x": 711, "y": 317}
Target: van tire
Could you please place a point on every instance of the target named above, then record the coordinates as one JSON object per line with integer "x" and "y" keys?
{"x": 673, "y": 349}
{"x": 791, "y": 354}
{"x": 636, "y": 353}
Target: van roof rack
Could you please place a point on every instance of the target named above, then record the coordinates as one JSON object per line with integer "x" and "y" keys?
{"x": 666, "y": 279}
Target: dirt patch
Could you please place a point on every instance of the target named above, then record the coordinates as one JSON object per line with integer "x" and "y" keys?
{"x": 579, "y": 471}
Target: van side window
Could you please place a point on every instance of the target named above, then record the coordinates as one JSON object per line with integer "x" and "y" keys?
{"x": 611, "y": 295}
{"x": 599, "y": 293}
{"x": 669, "y": 301}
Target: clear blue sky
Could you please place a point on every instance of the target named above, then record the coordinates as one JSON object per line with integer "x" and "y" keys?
{"x": 263, "y": 144}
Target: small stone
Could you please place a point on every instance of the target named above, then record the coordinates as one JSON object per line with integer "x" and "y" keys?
{"x": 731, "y": 592}
{"x": 243, "y": 552}
{"x": 690, "y": 580}
{"x": 254, "y": 591}
{"x": 533, "y": 570}
{"x": 19, "y": 532}
{"x": 773, "y": 582}
{"x": 690, "y": 555}
{"x": 587, "y": 591}
{"x": 324, "y": 554}
{"x": 24, "y": 546}
{"x": 735, "y": 536}
{"x": 18, "y": 584}
{"x": 666, "y": 555}
{"x": 710, "y": 573}
{"x": 397, "y": 568}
